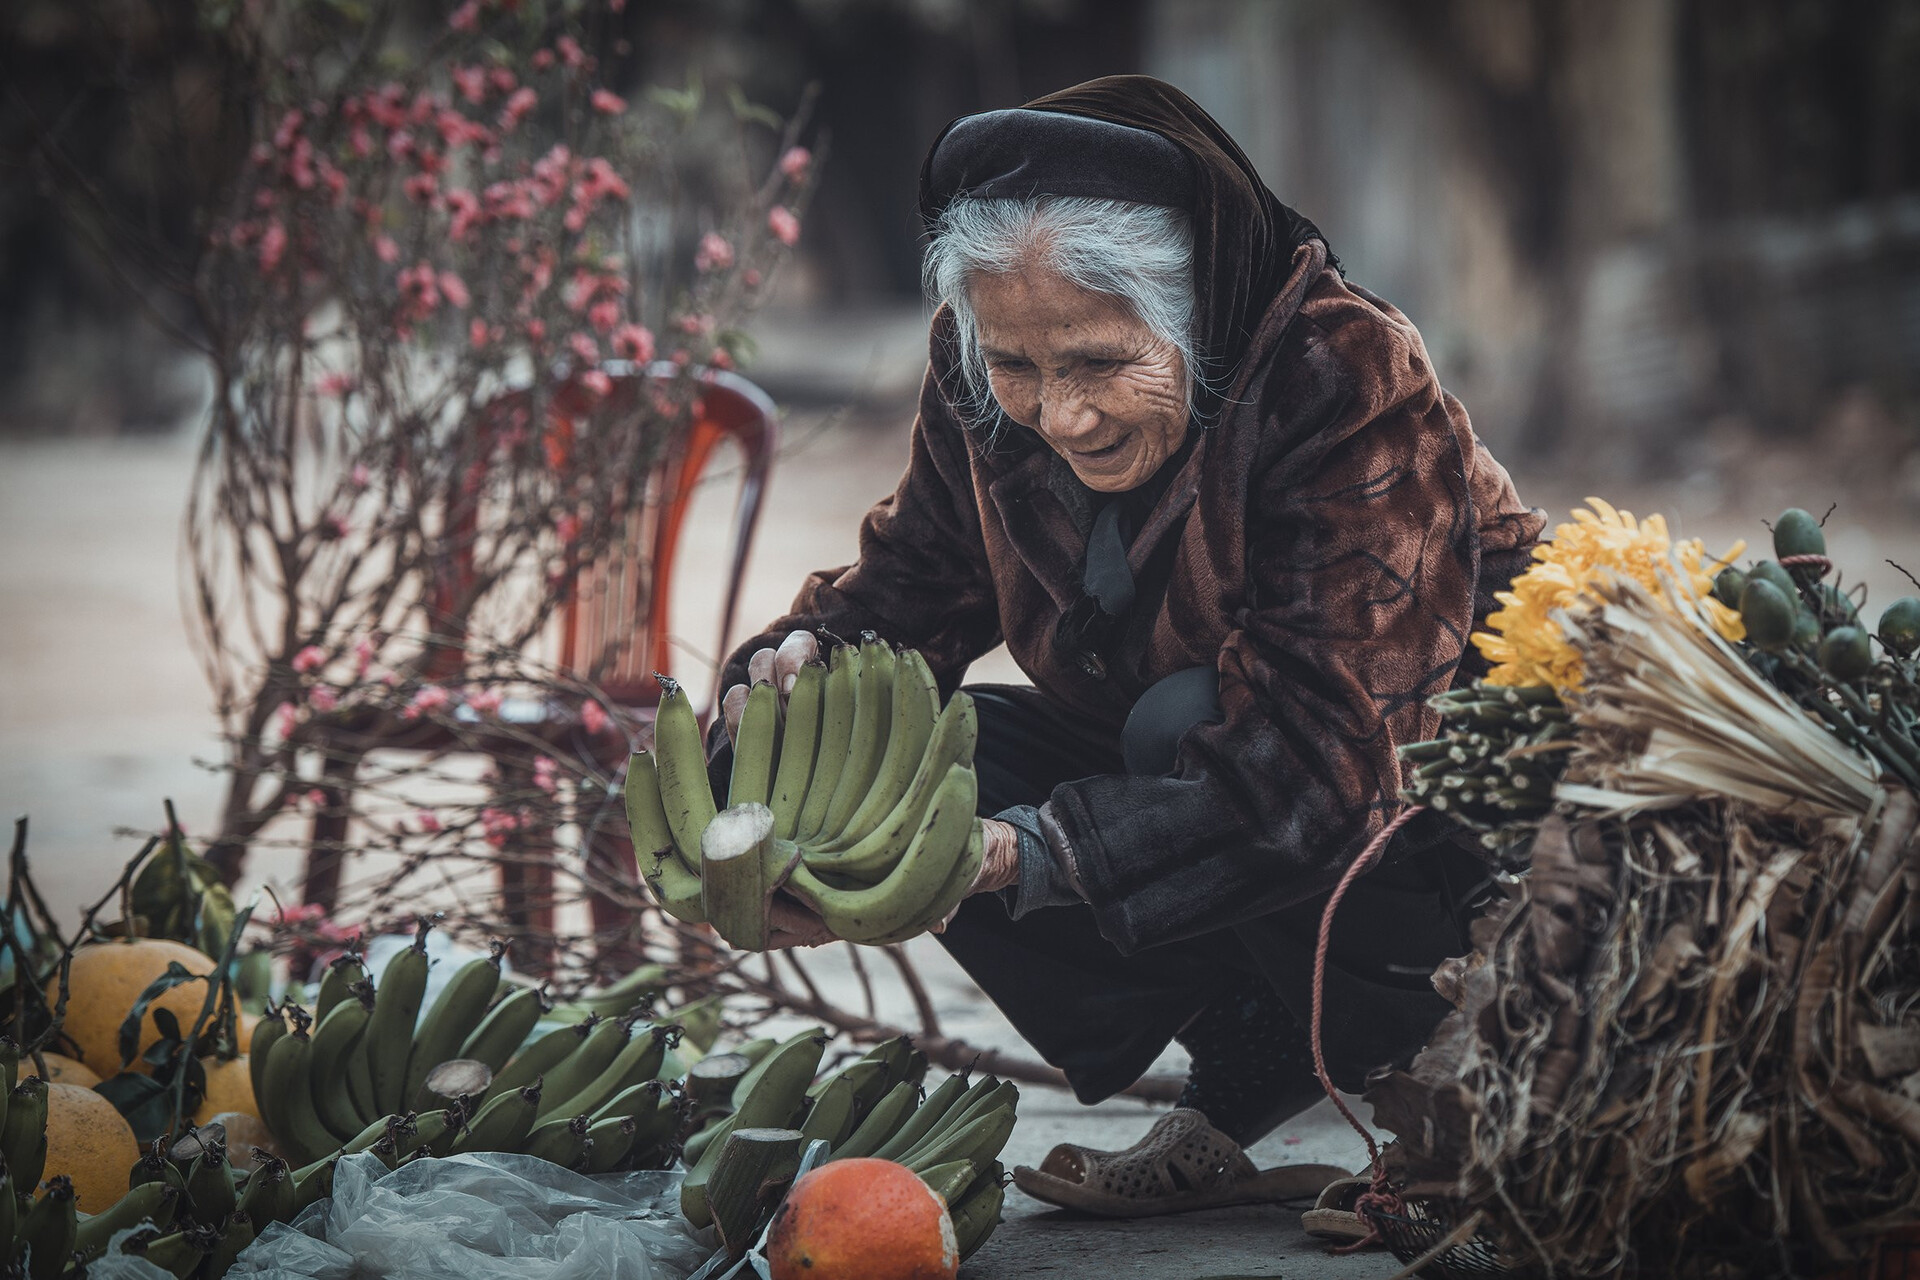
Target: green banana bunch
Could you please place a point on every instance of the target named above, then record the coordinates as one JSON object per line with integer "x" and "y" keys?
{"x": 978, "y": 1211}
{"x": 457, "y": 1013}
{"x": 154, "y": 1202}
{"x": 562, "y": 1142}
{"x": 387, "y": 1043}
{"x": 23, "y": 1133}
{"x": 869, "y": 858}
{"x": 335, "y": 1037}
{"x": 609, "y": 1142}
{"x": 210, "y": 1184}
{"x": 915, "y": 711}
{"x": 674, "y": 883}
{"x": 879, "y": 1124}
{"x": 289, "y": 1083}
{"x": 774, "y": 1100}
{"x": 925, "y": 1117}
{"x": 267, "y": 1196}
{"x": 584, "y": 1065}
{"x": 636, "y": 1064}
{"x": 537, "y": 1059}
{"x": 343, "y": 973}
{"x": 270, "y": 1028}
{"x": 47, "y": 1229}
{"x": 505, "y": 1028}
{"x": 502, "y": 1124}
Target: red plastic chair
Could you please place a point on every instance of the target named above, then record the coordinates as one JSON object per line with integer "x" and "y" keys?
{"x": 614, "y": 632}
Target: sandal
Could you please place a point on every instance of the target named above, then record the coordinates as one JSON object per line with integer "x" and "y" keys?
{"x": 1182, "y": 1164}
{"x": 1333, "y": 1216}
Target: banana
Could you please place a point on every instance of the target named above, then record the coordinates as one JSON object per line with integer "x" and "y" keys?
{"x": 799, "y": 740}
{"x": 770, "y": 1104}
{"x": 836, "y": 735}
{"x": 268, "y": 1193}
{"x": 210, "y": 1184}
{"x": 270, "y": 1028}
{"x": 505, "y": 1028}
{"x": 950, "y": 1181}
{"x": 9, "y": 1219}
{"x": 756, "y": 1049}
{"x": 916, "y": 708}
{"x": 873, "y": 855}
{"x": 543, "y": 1055}
{"x": 675, "y": 886}
{"x": 958, "y": 1112}
{"x": 584, "y": 1065}
{"x": 23, "y": 1135}
{"x": 695, "y": 1150}
{"x": 637, "y": 1062}
{"x": 155, "y": 1203}
{"x": 235, "y": 1235}
{"x": 431, "y": 1132}
{"x": 872, "y": 720}
{"x": 830, "y": 1118}
{"x": 916, "y": 881}
{"x": 503, "y": 1124}
{"x": 388, "y": 1040}
{"x": 153, "y": 1166}
{"x": 180, "y": 1253}
{"x": 755, "y": 746}
{"x": 928, "y": 1115}
{"x": 314, "y": 1183}
{"x": 334, "y": 1040}
{"x": 47, "y": 1229}
{"x": 879, "y": 1124}
{"x": 335, "y": 984}
{"x": 751, "y": 1080}
{"x": 359, "y": 1073}
{"x": 959, "y": 884}
{"x": 290, "y": 1080}
{"x": 978, "y": 1212}
{"x": 682, "y": 757}
{"x": 640, "y": 1100}
{"x": 364, "y": 1140}
{"x": 641, "y": 986}
{"x": 561, "y": 1142}
{"x": 979, "y": 1140}
{"x": 457, "y": 1011}
{"x": 608, "y": 1142}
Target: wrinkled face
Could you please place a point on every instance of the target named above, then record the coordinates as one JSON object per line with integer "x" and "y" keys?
{"x": 1082, "y": 370}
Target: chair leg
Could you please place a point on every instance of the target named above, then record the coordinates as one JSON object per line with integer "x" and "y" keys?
{"x": 327, "y": 849}
{"x": 617, "y": 927}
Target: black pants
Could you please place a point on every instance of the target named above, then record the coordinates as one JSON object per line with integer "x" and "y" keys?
{"x": 1237, "y": 998}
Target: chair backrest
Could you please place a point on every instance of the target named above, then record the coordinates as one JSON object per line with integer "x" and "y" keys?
{"x": 615, "y": 628}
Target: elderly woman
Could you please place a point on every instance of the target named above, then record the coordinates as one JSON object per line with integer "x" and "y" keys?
{"x": 1213, "y": 499}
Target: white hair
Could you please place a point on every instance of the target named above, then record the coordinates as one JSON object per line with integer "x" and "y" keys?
{"x": 1140, "y": 254}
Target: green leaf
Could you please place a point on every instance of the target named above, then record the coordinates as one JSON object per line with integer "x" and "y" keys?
{"x": 146, "y": 1103}
{"x": 752, "y": 112}
{"x": 216, "y": 919}
{"x": 175, "y": 976}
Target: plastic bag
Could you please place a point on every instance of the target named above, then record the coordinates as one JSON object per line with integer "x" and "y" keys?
{"x": 482, "y": 1217}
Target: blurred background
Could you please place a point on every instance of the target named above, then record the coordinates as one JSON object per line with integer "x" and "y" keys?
{"x": 1666, "y": 251}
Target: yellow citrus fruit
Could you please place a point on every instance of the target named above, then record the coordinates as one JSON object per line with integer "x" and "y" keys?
{"x": 90, "y": 1142}
{"x": 106, "y": 979}
{"x": 229, "y": 1088}
{"x": 862, "y": 1219}
{"x": 63, "y": 1070}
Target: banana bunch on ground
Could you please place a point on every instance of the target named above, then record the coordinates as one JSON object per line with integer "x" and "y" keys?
{"x": 1501, "y": 752}
{"x": 584, "y": 1095}
{"x": 872, "y": 1107}
{"x": 858, "y": 800}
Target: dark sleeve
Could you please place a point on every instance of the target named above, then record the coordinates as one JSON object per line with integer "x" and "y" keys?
{"x": 1359, "y": 597}
{"x": 922, "y": 579}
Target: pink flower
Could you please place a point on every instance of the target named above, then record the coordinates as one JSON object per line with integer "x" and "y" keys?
{"x": 419, "y": 289}
{"x": 485, "y": 701}
{"x": 385, "y": 249}
{"x": 536, "y": 331}
{"x": 720, "y": 359}
{"x": 284, "y": 719}
{"x": 317, "y": 798}
{"x": 429, "y": 821}
{"x": 454, "y": 289}
{"x": 568, "y": 527}
{"x": 604, "y": 315}
{"x": 785, "y": 227}
{"x": 751, "y": 277}
{"x": 466, "y": 17}
{"x": 429, "y": 697}
{"x": 542, "y": 59}
{"x": 333, "y": 525}
{"x": 465, "y": 208}
{"x": 471, "y": 81}
{"x": 696, "y": 324}
{"x": 273, "y": 244}
{"x": 361, "y": 477}
{"x": 546, "y": 774}
{"x": 576, "y": 218}
{"x": 714, "y": 253}
{"x": 362, "y": 655}
{"x": 497, "y": 825}
{"x": 633, "y": 341}
{"x": 309, "y": 659}
{"x": 323, "y": 698}
{"x": 477, "y": 335}
{"x": 608, "y": 104}
{"x": 570, "y": 51}
{"x": 794, "y": 163}
{"x": 519, "y": 103}
{"x": 597, "y": 381}
{"x": 593, "y": 717}
{"x": 501, "y": 79}
{"x": 361, "y": 141}
{"x": 584, "y": 347}
{"x": 289, "y": 129}
{"x": 420, "y": 188}
{"x": 400, "y": 143}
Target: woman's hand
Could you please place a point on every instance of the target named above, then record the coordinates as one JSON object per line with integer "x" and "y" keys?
{"x": 779, "y": 666}
{"x": 999, "y": 865}
{"x": 792, "y": 924}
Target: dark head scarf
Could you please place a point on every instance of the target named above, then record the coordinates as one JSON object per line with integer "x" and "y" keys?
{"x": 1140, "y": 139}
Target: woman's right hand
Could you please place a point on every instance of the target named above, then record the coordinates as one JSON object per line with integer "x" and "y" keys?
{"x": 780, "y": 666}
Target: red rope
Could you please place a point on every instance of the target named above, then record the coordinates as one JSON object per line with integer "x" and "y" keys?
{"x": 1376, "y": 1196}
{"x": 1820, "y": 562}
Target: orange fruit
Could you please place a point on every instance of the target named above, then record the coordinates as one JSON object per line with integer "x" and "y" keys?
{"x": 106, "y": 979}
{"x": 229, "y": 1088}
{"x": 63, "y": 1070}
{"x": 862, "y": 1219}
{"x": 91, "y": 1143}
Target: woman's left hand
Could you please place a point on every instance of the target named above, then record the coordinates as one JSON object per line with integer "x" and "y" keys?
{"x": 1000, "y": 865}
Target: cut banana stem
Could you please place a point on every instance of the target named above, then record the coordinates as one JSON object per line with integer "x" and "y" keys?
{"x": 739, "y": 870}
{"x": 711, "y": 1081}
{"x": 753, "y": 1170}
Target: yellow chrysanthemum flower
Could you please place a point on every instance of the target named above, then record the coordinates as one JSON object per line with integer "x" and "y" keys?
{"x": 1526, "y": 645}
